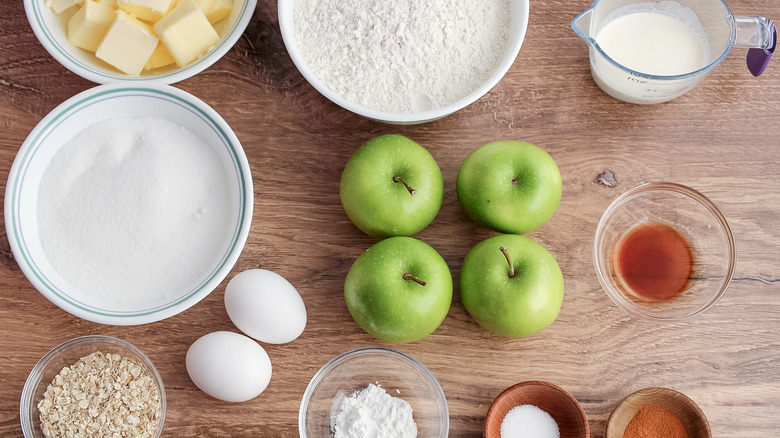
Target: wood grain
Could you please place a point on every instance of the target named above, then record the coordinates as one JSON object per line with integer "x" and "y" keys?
{"x": 721, "y": 139}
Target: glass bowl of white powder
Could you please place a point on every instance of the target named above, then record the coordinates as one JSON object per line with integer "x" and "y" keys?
{"x": 373, "y": 391}
{"x": 403, "y": 62}
{"x": 129, "y": 203}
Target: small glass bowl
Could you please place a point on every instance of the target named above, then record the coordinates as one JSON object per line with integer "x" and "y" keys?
{"x": 398, "y": 373}
{"x": 692, "y": 215}
{"x": 67, "y": 354}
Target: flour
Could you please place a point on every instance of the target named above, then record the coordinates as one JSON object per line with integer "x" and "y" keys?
{"x": 405, "y": 55}
{"x": 133, "y": 210}
{"x": 373, "y": 413}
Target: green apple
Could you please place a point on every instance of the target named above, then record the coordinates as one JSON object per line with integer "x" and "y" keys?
{"x": 511, "y": 285}
{"x": 509, "y": 186}
{"x": 391, "y": 186}
{"x": 399, "y": 290}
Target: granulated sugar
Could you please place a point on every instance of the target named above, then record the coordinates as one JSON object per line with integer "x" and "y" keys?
{"x": 132, "y": 210}
{"x": 405, "y": 55}
{"x": 372, "y": 412}
{"x": 528, "y": 421}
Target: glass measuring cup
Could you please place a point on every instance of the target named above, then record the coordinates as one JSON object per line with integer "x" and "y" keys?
{"x": 711, "y": 20}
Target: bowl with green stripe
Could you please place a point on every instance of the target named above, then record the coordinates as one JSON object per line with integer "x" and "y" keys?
{"x": 51, "y": 29}
{"x": 129, "y": 101}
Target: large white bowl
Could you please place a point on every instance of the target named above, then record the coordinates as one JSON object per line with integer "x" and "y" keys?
{"x": 518, "y": 26}
{"x": 72, "y": 117}
{"x": 51, "y": 30}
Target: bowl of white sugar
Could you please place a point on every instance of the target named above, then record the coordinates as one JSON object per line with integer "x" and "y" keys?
{"x": 403, "y": 62}
{"x": 162, "y": 41}
{"x": 373, "y": 391}
{"x": 129, "y": 203}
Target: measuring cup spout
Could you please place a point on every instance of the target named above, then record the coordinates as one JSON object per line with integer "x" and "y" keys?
{"x": 759, "y": 35}
{"x": 581, "y": 25}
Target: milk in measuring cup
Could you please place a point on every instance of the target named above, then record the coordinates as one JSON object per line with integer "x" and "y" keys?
{"x": 653, "y": 43}
{"x": 650, "y": 43}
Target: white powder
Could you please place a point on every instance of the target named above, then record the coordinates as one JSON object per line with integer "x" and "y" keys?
{"x": 133, "y": 210}
{"x": 373, "y": 413}
{"x": 405, "y": 55}
{"x": 528, "y": 421}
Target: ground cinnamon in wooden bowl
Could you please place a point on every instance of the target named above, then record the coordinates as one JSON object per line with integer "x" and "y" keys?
{"x": 655, "y": 422}
{"x": 657, "y": 413}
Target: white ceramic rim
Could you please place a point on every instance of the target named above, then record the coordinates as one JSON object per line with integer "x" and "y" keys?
{"x": 59, "y": 115}
{"x": 617, "y": 296}
{"x": 357, "y": 351}
{"x": 516, "y": 41}
{"x": 103, "y": 76}
{"x": 26, "y": 406}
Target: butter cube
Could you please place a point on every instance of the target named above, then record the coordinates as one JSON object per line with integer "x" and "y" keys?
{"x": 108, "y": 2}
{"x": 160, "y": 58}
{"x": 149, "y": 10}
{"x": 89, "y": 24}
{"x": 128, "y": 44}
{"x": 205, "y": 5}
{"x": 60, "y": 5}
{"x": 186, "y": 32}
{"x": 219, "y": 10}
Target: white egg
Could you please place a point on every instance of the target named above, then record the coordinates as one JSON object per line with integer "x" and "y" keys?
{"x": 229, "y": 366}
{"x": 265, "y": 306}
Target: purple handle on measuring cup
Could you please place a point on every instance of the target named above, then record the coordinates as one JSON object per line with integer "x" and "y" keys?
{"x": 758, "y": 59}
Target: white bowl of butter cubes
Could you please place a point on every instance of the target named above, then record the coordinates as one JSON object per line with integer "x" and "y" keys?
{"x": 163, "y": 41}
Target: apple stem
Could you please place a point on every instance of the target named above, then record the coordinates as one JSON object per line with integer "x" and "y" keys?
{"x": 512, "y": 272}
{"x": 407, "y": 276}
{"x": 400, "y": 179}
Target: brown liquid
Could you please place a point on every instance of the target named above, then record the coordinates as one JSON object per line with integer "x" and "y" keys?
{"x": 654, "y": 261}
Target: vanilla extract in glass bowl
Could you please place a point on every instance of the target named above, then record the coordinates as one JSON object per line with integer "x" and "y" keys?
{"x": 653, "y": 262}
{"x": 664, "y": 251}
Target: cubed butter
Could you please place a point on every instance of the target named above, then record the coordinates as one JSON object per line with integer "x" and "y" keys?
{"x": 60, "y": 5}
{"x": 109, "y": 2}
{"x": 128, "y": 44}
{"x": 186, "y": 32}
{"x": 205, "y": 5}
{"x": 160, "y": 58}
{"x": 149, "y": 10}
{"x": 219, "y": 10}
{"x": 89, "y": 24}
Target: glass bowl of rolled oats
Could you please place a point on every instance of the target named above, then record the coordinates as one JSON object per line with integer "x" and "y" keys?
{"x": 93, "y": 386}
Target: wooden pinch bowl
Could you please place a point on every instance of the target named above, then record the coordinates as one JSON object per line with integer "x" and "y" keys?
{"x": 562, "y": 407}
{"x": 684, "y": 408}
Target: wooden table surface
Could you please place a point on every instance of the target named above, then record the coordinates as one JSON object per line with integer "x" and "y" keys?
{"x": 721, "y": 138}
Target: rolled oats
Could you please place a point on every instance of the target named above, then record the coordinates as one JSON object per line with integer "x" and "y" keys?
{"x": 101, "y": 395}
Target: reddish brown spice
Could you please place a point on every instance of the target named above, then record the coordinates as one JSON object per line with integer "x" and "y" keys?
{"x": 654, "y": 261}
{"x": 655, "y": 422}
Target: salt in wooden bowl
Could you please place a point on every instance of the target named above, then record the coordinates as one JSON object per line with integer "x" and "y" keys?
{"x": 696, "y": 424}
{"x": 562, "y": 407}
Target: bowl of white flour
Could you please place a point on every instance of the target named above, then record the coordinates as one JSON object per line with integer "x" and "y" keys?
{"x": 373, "y": 391}
{"x": 406, "y": 61}
{"x": 129, "y": 203}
